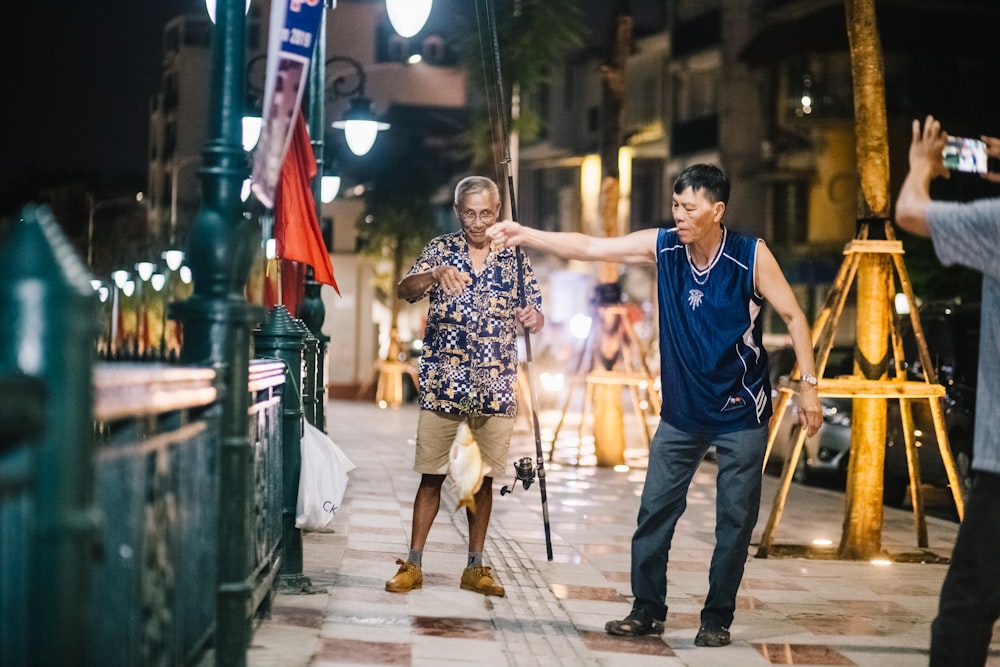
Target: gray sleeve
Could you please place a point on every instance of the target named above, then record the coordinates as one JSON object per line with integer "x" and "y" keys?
{"x": 967, "y": 234}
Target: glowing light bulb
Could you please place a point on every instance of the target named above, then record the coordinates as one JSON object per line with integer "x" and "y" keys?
{"x": 210, "y": 6}
{"x": 408, "y": 16}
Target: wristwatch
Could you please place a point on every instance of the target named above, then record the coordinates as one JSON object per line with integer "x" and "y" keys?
{"x": 810, "y": 379}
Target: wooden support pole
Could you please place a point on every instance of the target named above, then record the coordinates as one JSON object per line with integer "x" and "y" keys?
{"x": 876, "y": 390}
{"x": 599, "y": 382}
{"x": 861, "y": 538}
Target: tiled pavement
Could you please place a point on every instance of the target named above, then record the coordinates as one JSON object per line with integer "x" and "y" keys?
{"x": 792, "y": 610}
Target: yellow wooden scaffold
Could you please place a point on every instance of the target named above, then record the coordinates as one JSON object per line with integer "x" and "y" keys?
{"x": 857, "y": 387}
{"x": 625, "y": 366}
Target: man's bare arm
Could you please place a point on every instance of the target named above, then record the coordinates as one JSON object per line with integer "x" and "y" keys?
{"x": 635, "y": 248}
{"x": 773, "y": 286}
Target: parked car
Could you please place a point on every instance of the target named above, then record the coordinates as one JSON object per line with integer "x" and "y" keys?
{"x": 952, "y": 335}
{"x": 824, "y": 456}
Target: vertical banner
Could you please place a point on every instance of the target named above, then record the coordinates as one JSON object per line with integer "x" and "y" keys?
{"x": 291, "y": 43}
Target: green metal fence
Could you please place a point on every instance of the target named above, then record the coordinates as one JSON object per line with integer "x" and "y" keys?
{"x": 132, "y": 529}
{"x": 156, "y": 472}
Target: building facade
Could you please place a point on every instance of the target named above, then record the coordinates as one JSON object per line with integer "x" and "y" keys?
{"x": 761, "y": 87}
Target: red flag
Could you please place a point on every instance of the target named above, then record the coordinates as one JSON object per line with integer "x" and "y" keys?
{"x": 292, "y": 284}
{"x": 297, "y": 234}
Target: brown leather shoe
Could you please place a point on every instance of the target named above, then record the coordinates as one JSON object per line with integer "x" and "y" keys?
{"x": 480, "y": 580}
{"x": 406, "y": 579}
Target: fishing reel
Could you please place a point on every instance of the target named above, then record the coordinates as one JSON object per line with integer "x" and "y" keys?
{"x": 524, "y": 472}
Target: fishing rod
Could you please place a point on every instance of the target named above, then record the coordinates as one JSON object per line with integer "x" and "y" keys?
{"x": 521, "y": 468}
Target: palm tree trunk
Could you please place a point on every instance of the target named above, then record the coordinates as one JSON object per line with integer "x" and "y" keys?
{"x": 862, "y": 533}
{"x": 609, "y": 426}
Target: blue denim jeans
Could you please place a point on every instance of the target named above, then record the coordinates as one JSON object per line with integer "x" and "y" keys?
{"x": 674, "y": 457}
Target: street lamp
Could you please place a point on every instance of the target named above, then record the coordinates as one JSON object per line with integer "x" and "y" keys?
{"x": 173, "y": 259}
{"x": 360, "y": 126}
{"x": 128, "y": 289}
{"x": 119, "y": 279}
{"x": 252, "y": 126}
{"x": 145, "y": 272}
{"x": 359, "y": 123}
{"x": 210, "y": 6}
{"x": 253, "y": 122}
{"x": 95, "y": 206}
{"x": 251, "y": 131}
{"x": 158, "y": 281}
{"x": 408, "y": 16}
{"x": 329, "y": 187}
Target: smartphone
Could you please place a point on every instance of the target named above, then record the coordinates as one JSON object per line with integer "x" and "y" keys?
{"x": 965, "y": 154}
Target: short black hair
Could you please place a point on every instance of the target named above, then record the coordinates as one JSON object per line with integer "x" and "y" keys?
{"x": 707, "y": 177}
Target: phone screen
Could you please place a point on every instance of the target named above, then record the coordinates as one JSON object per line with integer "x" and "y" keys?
{"x": 965, "y": 154}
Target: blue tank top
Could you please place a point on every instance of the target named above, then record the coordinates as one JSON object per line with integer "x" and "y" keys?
{"x": 713, "y": 367}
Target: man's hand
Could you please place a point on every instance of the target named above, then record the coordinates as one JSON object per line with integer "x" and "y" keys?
{"x": 451, "y": 280}
{"x": 531, "y": 319}
{"x": 926, "y": 163}
{"x": 504, "y": 233}
{"x": 810, "y": 409}
{"x": 926, "y": 148}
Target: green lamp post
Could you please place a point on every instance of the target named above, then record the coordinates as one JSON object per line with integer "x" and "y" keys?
{"x": 217, "y": 319}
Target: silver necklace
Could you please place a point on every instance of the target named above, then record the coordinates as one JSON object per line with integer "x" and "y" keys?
{"x": 700, "y": 276}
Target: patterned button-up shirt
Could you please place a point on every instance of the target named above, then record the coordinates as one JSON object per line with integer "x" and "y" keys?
{"x": 469, "y": 362}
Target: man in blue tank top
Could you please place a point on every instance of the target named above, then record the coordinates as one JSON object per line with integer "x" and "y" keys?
{"x": 712, "y": 283}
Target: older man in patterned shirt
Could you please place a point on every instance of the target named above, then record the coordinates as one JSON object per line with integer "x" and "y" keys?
{"x": 468, "y": 371}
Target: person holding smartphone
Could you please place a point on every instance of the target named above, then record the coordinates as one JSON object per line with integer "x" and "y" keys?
{"x": 965, "y": 233}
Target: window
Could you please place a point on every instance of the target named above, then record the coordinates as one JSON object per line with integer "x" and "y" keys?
{"x": 647, "y": 194}
{"x": 433, "y": 50}
{"x": 695, "y": 93}
{"x": 551, "y": 198}
{"x": 788, "y": 213}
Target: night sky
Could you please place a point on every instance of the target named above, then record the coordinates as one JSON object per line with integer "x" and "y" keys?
{"x": 79, "y": 76}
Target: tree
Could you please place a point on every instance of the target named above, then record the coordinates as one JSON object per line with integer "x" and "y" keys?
{"x": 399, "y": 217}
{"x": 531, "y": 35}
{"x": 861, "y": 537}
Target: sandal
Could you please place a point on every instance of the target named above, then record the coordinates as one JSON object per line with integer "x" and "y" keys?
{"x": 636, "y": 624}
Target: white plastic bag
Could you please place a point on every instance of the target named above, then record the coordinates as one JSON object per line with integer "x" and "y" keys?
{"x": 322, "y": 480}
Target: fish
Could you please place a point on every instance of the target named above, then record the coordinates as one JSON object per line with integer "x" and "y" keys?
{"x": 465, "y": 465}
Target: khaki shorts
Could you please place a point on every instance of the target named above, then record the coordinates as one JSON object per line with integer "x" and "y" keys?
{"x": 436, "y": 433}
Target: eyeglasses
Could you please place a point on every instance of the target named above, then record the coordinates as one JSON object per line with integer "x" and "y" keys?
{"x": 487, "y": 215}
